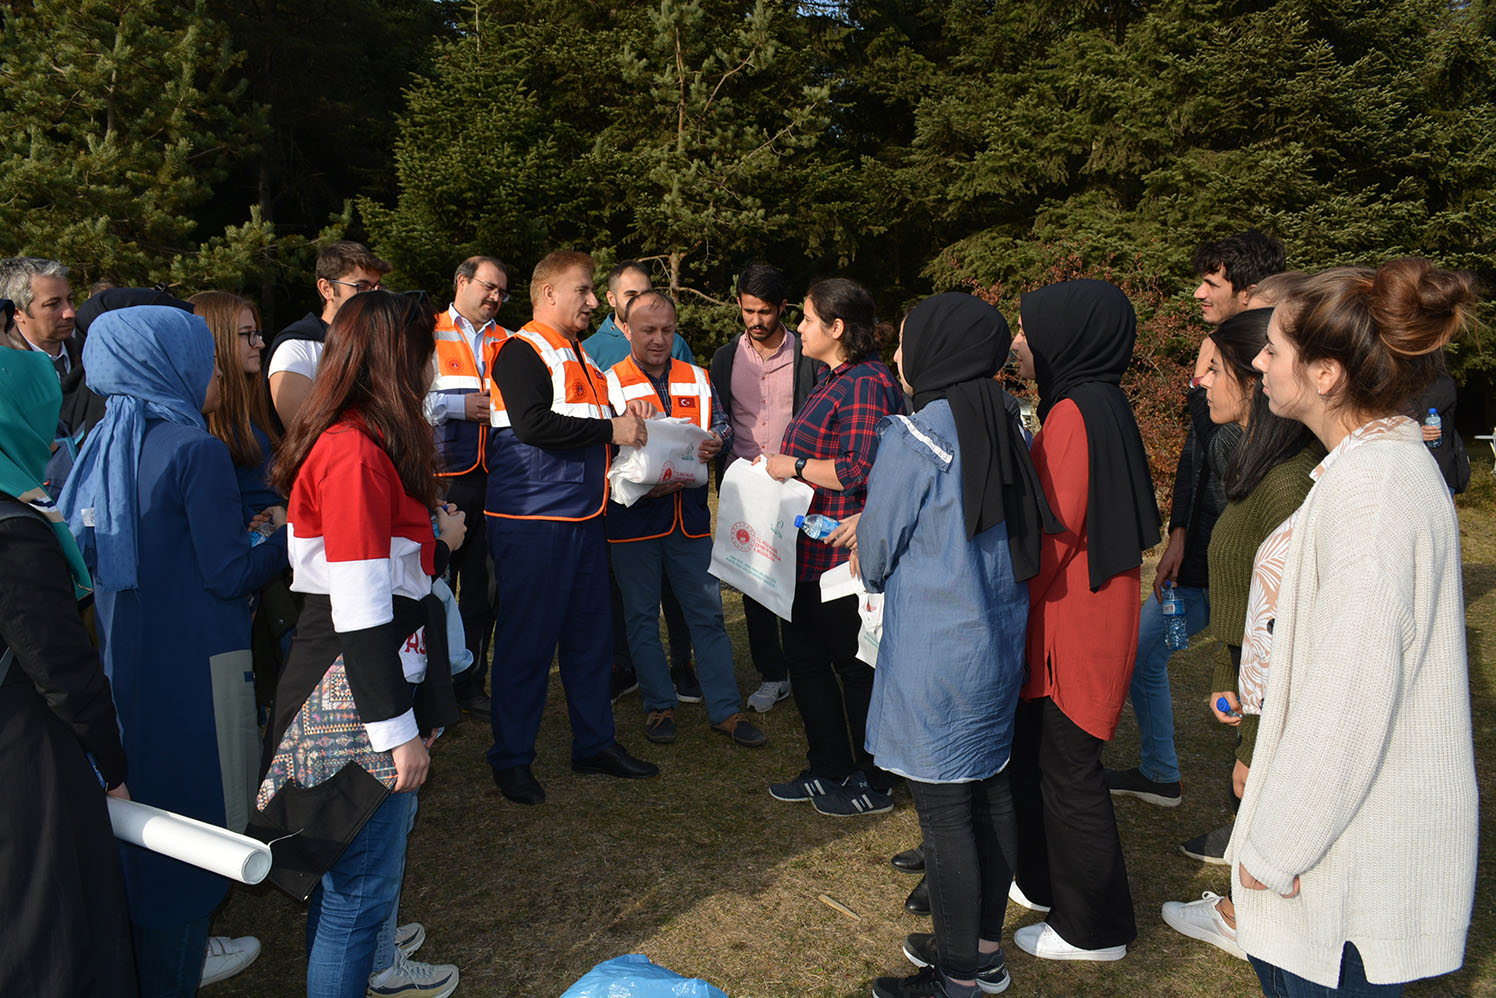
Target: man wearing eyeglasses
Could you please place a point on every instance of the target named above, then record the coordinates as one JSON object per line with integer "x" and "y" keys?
{"x": 343, "y": 270}
{"x": 457, "y": 407}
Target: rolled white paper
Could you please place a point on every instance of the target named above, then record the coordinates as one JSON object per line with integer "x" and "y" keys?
{"x": 198, "y": 843}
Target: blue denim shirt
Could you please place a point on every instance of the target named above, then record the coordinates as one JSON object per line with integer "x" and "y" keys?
{"x": 952, "y": 655}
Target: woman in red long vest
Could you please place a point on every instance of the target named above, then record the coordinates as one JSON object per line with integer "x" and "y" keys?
{"x": 1076, "y": 340}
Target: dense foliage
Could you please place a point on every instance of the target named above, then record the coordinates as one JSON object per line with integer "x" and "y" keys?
{"x": 913, "y": 146}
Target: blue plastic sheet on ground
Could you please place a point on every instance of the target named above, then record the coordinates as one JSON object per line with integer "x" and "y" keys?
{"x": 633, "y": 976}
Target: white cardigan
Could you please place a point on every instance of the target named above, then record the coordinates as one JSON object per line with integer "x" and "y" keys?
{"x": 1363, "y": 777}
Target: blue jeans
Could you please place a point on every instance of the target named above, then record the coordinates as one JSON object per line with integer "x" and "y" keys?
{"x": 640, "y": 566}
{"x": 1149, "y": 692}
{"x": 353, "y": 902}
{"x": 169, "y": 962}
{"x": 1279, "y": 983}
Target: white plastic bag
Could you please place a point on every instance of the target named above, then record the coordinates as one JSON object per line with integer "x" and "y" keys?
{"x": 839, "y": 582}
{"x": 669, "y": 455}
{"x": 754, "y": 546}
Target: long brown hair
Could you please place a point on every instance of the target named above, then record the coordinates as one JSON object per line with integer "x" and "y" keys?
{"x": 246, "y": 397}
{"x": 376, "y": 365}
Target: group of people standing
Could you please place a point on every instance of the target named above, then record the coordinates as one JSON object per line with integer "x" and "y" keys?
{"x": 393, "y": 447}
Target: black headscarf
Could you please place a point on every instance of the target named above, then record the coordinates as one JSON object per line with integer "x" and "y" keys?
{"x": 953, "y": 346}
{"x": 113, "y": 298}
{"x": 1081, "y": 334}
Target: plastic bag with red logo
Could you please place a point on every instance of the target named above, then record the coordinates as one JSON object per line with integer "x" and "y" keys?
{"x": 668, "y": 455}
{"x": 754, "y": 547}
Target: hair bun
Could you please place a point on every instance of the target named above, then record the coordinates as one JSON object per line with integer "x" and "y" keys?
{"x": 1418, "y": 307}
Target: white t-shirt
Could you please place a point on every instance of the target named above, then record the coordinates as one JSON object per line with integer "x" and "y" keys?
{"x": 298, "y": 357}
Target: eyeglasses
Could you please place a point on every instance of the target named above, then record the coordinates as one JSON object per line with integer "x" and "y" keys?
{"x": 361, "y": 286}
{"x": 253, "y": 334}
{"x": 493, "y": 289}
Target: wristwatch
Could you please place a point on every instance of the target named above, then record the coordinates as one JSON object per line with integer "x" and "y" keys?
{"x": 800, "y": 467}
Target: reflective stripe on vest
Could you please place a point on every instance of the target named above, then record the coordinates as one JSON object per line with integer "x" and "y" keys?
{"x": 496, "y": 337}
{"x": 690, "y": 390}
{"x": 459, "y": 442}
{"x": 690, "y": 398}
{"x": 537, "y": 483}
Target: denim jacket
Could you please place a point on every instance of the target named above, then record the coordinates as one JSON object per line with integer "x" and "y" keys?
{"x": 952, "y": 656}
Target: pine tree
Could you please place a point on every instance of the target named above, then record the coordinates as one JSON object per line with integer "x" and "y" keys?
{"x": 120, "y": 117}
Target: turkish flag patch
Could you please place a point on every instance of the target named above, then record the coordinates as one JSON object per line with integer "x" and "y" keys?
{"x": 686, "y": 403}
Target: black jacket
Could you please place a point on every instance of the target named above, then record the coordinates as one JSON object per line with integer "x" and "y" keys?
{"x": 805, "y": 373}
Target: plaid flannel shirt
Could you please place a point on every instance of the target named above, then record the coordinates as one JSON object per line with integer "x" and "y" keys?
{"x": 840, "y": 421}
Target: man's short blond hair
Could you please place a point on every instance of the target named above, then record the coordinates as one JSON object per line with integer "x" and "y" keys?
{"x": 552, "y": 266}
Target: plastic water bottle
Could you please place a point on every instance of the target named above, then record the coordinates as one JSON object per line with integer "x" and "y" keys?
{"x": 816, "y": 526}
{"x": 1176, "y": 632}
{"x": 1224, "y": 706}
{"x": 1438, "y": 424}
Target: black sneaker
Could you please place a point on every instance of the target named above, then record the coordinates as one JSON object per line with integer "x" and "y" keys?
{"x": 928, "y": 983}
{"x": 623, "y": 682}
{"x": 1210, "y": 847}
{"x": 1132, "y": 783}
{"x": 805, "y": 787}
{"x": 992, "y": 978}
{"x": 687, "y": 689}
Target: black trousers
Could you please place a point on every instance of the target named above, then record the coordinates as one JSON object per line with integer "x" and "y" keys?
{"x": 765, "y": 642}
{"x": 675, "y": 625}
{"x": 971, "y": 837}
{"x": 473, "y": 578}
{"x": 832, "y": 687}
{"x": 1069, "y": 853}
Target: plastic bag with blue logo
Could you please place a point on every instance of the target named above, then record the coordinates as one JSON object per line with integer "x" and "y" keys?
{"x": 633, "y": 976}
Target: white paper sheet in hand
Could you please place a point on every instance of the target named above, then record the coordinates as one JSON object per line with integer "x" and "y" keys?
{"x": 668, "y": 455}
{"x": 754, "y": 545}
{"x": 197, "y": 843}
{"x": 838, "y": 582}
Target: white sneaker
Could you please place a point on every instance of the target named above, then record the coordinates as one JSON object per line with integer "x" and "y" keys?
{"x": 1021, "y": 900}
{"x": 226, "y": 957}
{"x": 1044, "y": 942}
{"x": 409, "y": 979}
{"x": 409, "y": 937}
{"x": 768, "y": 694}
{"x": 1202, "y": 920}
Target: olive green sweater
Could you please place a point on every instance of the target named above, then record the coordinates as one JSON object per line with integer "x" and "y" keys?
{"x": 1243, "y": 526}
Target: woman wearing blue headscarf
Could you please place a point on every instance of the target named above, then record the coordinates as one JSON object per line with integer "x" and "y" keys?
{"x": 62, "y": 896}
{"x": 155, "y": 506}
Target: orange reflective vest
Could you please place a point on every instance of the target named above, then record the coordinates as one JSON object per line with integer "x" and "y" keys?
{"x": 526, "y": 482}
{"x": 690, "y": 398}
{"x": 459, "y": 442}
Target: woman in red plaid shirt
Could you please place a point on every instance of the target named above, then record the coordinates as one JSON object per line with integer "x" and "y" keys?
{"x": 830, "y": 445}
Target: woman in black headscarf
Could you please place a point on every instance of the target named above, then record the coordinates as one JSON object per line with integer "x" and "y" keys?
{"x": 1076, "y": 340}
{"x": 951, "y": 530}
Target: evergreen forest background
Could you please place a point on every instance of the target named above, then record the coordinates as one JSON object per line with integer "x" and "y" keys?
{"x": 914, "y": 146}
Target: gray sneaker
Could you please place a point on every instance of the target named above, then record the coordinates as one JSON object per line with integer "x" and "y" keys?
{"x": 768, "y": 694}
{"x": 409, "y": 979}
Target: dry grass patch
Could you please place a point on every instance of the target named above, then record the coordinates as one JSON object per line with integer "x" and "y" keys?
{"x": 701, "y": 870}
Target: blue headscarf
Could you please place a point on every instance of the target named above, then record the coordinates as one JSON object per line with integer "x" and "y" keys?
{"x": 149, "y": 362}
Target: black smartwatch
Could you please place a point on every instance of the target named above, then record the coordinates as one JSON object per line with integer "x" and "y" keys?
{"x": 800, "y": 467}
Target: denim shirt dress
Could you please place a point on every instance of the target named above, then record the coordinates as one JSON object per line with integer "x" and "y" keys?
{"x": 951, "y": 658}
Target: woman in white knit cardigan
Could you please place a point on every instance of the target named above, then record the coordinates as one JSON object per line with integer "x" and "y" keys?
{"x": 1354, "y": 850}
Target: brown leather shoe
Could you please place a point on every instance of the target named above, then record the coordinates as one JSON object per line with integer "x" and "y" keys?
{"x": 741, "y": 731}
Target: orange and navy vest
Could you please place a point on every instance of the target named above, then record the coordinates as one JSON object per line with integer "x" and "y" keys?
{"x": 526, "y": 482}
{"x": 690, "y": 398}
{"x": 459, "y": 442}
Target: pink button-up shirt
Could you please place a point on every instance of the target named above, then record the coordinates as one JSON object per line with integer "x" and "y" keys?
{"x": 763, "y": 397}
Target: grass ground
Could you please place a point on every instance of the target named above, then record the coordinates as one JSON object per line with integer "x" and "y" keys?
{"x": 706, "y": 874}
